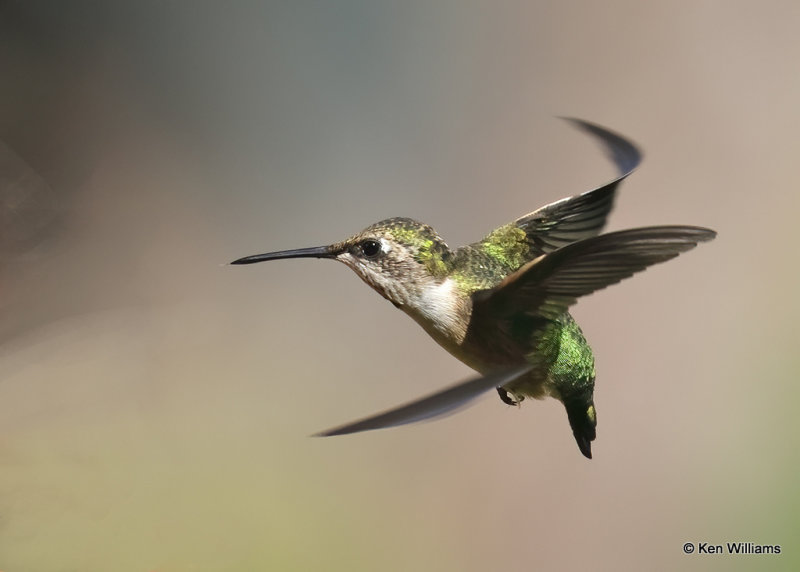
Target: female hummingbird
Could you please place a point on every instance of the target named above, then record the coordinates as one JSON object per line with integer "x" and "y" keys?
{"x": 501, "y": 305}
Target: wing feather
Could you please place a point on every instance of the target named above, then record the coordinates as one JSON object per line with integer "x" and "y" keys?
{"x": 573, "y": 218}
{"x": 548, "y": 285}
{"x": 431, "y": 406}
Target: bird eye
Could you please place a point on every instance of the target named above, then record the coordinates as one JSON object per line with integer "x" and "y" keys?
{"x": 370, "y": 248}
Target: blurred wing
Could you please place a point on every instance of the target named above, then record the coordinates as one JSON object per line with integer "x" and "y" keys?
{"x": 573, "y": 218}
{"x": 435, "y": 405}
{"x": 550, "y": 284}
{"x": 622, "y": 152}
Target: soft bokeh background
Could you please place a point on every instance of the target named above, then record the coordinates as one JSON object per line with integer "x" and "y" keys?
{"x": 155, "y": 404}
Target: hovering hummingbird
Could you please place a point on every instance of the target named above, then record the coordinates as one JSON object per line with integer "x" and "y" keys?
{"x": 501, "y": 305}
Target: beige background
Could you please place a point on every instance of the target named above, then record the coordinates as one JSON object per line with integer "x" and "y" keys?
{"x": 155, "y": 404}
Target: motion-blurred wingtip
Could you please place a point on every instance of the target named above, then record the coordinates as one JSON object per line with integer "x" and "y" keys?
{"x": 330, "y": 432}
{"x": 623, "y": 152}
{"x": 438, "y": 404}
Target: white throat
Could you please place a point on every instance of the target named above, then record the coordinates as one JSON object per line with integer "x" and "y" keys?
{"x": 439, "y": 309}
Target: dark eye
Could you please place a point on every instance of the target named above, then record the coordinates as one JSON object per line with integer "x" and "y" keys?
{"x": 370, "y": 248}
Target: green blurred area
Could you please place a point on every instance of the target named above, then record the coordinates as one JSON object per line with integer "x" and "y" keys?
{"x": 155, "y": 404}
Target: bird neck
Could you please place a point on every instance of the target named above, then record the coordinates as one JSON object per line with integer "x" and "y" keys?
{"x": 441, "y": 309}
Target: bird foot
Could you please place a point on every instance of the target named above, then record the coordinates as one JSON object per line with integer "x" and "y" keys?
{"x": 508, "y": 398}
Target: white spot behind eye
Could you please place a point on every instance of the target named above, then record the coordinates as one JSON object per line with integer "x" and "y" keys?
{"x": 386, "y": 246}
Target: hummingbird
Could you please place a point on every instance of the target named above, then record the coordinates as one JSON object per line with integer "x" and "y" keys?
{"x": 501, "y": 305}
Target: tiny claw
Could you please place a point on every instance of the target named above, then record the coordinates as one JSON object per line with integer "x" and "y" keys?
{"x": 505, "y": 397}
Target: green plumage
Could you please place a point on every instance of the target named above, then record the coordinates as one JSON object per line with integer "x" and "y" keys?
{"x": 501, "y": 305}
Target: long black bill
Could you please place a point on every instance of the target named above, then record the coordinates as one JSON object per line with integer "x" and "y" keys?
{"x": 315, "y": 252}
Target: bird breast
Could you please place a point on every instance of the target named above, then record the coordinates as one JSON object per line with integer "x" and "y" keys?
{"x": 442, "y": 311}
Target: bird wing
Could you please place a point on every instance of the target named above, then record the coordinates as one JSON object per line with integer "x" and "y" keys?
{"x": 435, "y": 405}
{"x": 573, "y": 218}
{"x": 550, "y": 284}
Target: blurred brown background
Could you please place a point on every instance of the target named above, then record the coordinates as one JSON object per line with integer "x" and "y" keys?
{"x": 155, "y": 404}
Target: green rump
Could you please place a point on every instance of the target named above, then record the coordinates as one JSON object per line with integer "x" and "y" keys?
{"x": 567, "y": 357}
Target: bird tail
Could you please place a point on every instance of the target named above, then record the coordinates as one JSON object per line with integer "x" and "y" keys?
{"x": 583, "y": 420}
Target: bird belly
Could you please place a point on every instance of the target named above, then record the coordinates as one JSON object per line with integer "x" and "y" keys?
{"x": 562, "y": 360}
{"x": 494, "y": 351}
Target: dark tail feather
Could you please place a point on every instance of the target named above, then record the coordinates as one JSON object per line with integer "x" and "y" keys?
{"x": 583, "y": 420}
